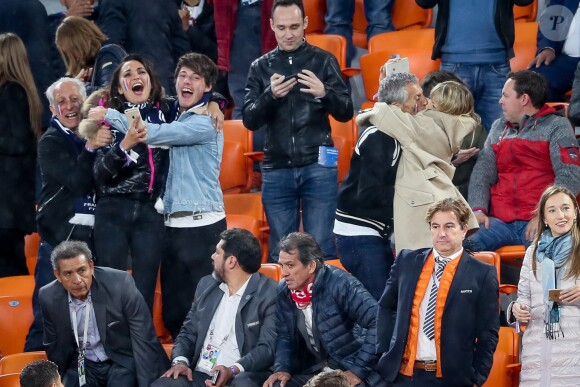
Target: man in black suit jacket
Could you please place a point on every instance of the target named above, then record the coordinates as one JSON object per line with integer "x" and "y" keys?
{"x": 114, "y": 334}
{"x": 231, "y": 327}
{"x": 449, "y": 341}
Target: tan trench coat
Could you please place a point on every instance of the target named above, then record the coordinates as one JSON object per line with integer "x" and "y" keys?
{"x": 429, "y": 140}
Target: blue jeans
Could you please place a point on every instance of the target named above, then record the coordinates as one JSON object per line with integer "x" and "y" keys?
{"x": 126, "y": 227}
{"x": 560, "y": 75}
{"x": 312, "y": 188}
{"x": 368, "y": 258}
{"x": 339, "y": 14}
{"x": 499, "y": 234}
{"x": 485, "y": 82}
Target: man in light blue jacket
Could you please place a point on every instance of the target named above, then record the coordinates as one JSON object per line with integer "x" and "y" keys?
{"x": 193, "y": 200}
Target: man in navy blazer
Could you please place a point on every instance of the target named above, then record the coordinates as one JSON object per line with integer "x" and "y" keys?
{"x": 230, "y": 330}
{"x": 438, "y": 318}
{"x": 120, "y": 347}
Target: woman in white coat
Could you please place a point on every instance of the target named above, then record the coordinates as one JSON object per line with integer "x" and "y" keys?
{"x": 551, "y": 342}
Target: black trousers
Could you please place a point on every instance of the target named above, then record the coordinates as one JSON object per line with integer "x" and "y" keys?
{"x": 12, "y": 258}
{"x": 187, "y": 259}
{"x": 106, "y": 374}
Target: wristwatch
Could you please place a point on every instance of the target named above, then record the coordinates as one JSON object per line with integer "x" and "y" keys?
{"x": 178, "y": 361}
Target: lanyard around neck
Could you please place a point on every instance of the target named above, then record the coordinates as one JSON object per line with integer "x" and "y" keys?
{"x": 75, "y": 329}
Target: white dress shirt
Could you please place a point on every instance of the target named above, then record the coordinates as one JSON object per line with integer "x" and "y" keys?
{"x": 426, "y": 348}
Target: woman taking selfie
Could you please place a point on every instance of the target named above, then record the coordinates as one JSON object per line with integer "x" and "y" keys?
{"x": 130, "y": 177}
{"x": 549, "y": 294}
{"x": 20, "y": 112}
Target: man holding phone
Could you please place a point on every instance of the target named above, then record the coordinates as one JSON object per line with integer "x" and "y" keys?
{"x": 299, "y": 171}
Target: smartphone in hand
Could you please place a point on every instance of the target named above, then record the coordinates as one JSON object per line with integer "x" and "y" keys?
{"x": 132, "y": 114}
{"x": 397, "y": 65}
{"x": 554, "y": 295}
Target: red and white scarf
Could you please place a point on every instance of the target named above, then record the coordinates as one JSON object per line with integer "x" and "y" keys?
{"x": 303, "y": 297}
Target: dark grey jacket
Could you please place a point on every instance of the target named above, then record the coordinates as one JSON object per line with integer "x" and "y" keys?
{"x": 255, "y": 323}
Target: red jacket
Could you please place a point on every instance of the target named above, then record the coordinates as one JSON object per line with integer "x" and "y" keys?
{"x": 517, "y": 165}
{"x": 224, "y": 13}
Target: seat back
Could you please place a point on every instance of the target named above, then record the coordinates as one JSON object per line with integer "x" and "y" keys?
{"x": 31, "y": 245}
{"x": 15, "y": 312}
{"x": 315, "y": 10}
{"x": 335, "y": 44}
{"x": 344, "y": 139}
{"x": 560, "y": 105}
{"x": 420, "y": 64}
{"x": 236, "y": 168}
{"x": 505, "y": 370}
{"x": 527, "y": 13}
{"x": 244, "y": 221}
{"x": 250, "y": 204}
{"x": 389, "y": 41}
{"x": 512, "y": 255}
{"x": 491, "y": 258}
{"x": 524, "y": 52}
{"x": 271, "y": 270}
{"x": 13, "y": 364}
{"x": 10, "y": 380}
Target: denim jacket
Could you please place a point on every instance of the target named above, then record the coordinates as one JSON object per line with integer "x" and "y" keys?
{"x": 195, "y": 157}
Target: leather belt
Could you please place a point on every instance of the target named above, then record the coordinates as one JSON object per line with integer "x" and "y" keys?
{"x": 430, "y": 366}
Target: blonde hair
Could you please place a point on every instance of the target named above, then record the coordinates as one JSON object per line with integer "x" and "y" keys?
{"x": 14, "y": 67}
{"x": 574, "y": 257}
{"x": 78, "y": 40}
{"x": 453, "y": 98}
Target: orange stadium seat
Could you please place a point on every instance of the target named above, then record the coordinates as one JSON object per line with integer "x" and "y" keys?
{"x": 31, "y": 245}
{"x": 244, "y": 221}
{"x": 343, "y": 136}
{"x": 10, "y": 380}
{"x": 250, "y": 204}
{"x": 512, "y": 255}
{"x": 524, "y": 52}
{"x": 14, "y": 363}
{"x": 506, "y": 367}
{"x": 336, "y": 45}
{"x": 15, "y": 312}
{"x": 526, "y": 32}
{"x": 272, "y": 270}
{"x": 236, "y": 167}
{"x": 527, "y": 13}
{"x": 389, "y": 41}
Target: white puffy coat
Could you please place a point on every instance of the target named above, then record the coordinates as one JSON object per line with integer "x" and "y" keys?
{"x": 548, "y": 363}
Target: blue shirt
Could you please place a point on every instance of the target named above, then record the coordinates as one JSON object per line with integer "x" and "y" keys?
{"x": 471, "y": 34}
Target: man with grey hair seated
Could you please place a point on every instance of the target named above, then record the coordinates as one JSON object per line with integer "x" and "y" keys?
{"x": 97, "y": 328}
{"x": 66, "y": 205}
{"x": 364, "y": 215}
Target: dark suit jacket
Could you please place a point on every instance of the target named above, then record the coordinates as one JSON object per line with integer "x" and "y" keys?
{"x": 123, "y": 320}
{"x": 470, "y": 324}
{"x": 255, "y": 322}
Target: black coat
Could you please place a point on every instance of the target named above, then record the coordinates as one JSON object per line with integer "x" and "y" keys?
{"x": 151, "y": 28}
{"x": 66, "y": 175}
{"x": 297, "y": 124}
{"x": 17, "y": 160}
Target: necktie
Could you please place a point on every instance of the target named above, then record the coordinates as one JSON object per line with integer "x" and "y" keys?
{"x": 429, "y": 325}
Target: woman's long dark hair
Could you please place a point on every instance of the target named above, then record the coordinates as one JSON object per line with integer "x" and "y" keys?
{"x": 117, "y": 100}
